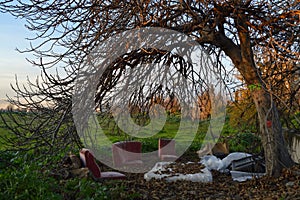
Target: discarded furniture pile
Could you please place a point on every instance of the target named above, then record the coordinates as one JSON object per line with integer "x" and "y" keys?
{"x": 126, "y": 154}
{"x": 242, "y": 166}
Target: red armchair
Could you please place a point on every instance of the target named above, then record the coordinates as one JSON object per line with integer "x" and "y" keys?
{"x": 127, "y": 153}
{"x": 166, "y": 149}
{"x": 88, "y": 160}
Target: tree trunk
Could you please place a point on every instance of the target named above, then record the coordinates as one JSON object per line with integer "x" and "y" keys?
{"x": 275, "y": 149}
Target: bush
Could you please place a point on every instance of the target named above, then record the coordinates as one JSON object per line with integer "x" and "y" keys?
{"x": 295, "y": 120}
{"x": 245, "y": 142}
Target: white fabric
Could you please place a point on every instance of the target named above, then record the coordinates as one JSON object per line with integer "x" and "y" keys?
{"x": 203, "y": 176}
{"x": 214, "y": 163}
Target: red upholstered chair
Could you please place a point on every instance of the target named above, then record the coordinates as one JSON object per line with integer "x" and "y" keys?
{"x": 88, "y": 160}
{"x": 166, "y": 153}
{"x": 127, "y": 153}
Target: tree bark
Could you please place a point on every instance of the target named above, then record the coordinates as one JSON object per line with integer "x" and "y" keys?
{"x": 275, "y": 149}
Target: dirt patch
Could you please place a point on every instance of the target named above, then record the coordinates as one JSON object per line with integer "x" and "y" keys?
{"x": 181, "y": 168}
{"x": 287, "y": 186}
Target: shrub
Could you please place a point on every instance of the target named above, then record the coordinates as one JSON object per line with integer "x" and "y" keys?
{"x": 245, "y": 142}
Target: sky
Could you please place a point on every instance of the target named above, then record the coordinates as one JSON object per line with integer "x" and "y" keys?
{"x": 13, "y": 35}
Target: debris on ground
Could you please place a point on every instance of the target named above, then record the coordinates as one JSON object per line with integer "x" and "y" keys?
{"x": 174, "y": 171}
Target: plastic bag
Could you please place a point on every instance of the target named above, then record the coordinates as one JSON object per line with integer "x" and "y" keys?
{"x": 212, "y": 162}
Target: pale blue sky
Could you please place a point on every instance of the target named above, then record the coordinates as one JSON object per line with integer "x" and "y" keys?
{"x": 12, "y": 36}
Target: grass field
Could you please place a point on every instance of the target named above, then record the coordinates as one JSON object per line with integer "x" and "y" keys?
{"x": 182, "y": 130}
{"x": 21, "y": 177}
{"x": 4, "y": 132}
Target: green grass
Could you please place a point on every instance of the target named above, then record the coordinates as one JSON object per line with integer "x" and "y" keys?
{"x": 169, "y": 130}
{"x": 23, "y": 178}
{"x": 4, "y": 132}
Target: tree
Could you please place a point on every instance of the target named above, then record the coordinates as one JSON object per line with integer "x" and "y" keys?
{"x": 242, "y": 30}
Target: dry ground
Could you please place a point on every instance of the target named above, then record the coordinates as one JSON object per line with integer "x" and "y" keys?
{"x": 287, "y": 186}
